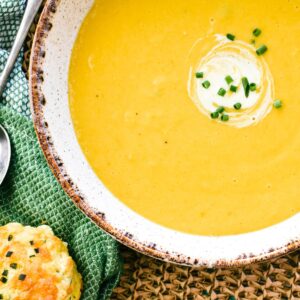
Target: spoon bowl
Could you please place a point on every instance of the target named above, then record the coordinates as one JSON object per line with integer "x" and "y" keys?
{"x": 4, "y": 153}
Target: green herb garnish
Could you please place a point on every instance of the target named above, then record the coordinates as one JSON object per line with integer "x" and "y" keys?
{"x": 224, "y": 118}
{"x": 199, "y": 74}
{"x": 36, "y": 250}
{"x": 10, "y": 237}
{"x": 230, "y": 36}
{"x": 214, "y": 115}
{"x": 228, "y": 79}
{"x": 252, "y": 87}
{"x": 261, "y": 50}
{"x": 1, "y": 296}
{"x": 31, "y": 256}
{"x": 233, "y": 88}
{"x": 31, "y": 243}
{"x": 5, "y": 273}
{"x": 221, "y": 92}
{"x": 3, "y": 279}
{"x": 13, "y": 265}
{"x": 256, "y": 32}
{"x": 22, "y": 277}
{"x": 9, "y": 253}
{"x": 220, "y": 109}
{"x": 246, "y": 86}
{"x": 206, "y": 84}
{"x": 237, "y": 106}
{"x": 277, "y": 103}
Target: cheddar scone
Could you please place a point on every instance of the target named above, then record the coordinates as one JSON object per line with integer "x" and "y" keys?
{"x": 35, "y": 265}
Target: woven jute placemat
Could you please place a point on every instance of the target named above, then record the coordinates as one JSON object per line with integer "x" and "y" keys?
{"x": 148, "y": 278}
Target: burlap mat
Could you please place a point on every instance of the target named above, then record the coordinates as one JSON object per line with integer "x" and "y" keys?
{"x": 148, "y": 278}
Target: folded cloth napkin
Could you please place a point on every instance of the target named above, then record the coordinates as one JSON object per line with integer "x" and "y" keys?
{"x": 31, "y": 195}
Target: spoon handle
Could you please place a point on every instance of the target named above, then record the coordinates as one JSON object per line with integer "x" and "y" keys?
{"x": 30, "y": 12}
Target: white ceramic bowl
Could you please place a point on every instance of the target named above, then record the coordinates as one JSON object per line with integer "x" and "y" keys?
{"x": 55, "y": 36}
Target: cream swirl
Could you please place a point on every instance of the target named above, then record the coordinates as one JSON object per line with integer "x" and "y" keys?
{"x": 217, "y": 57}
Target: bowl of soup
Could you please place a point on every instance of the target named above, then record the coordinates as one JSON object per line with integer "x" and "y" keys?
{"x": 174, "y": 125}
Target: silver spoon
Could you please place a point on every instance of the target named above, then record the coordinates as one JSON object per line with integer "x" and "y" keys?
{"x": 29, "y": 14}
{"x": 4, "y": 153}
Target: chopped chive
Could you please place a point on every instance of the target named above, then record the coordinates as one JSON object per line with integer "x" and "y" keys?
{"x": 230, "y": 36}
{"x": 261, "y": 50}
{"x": 228, "y": 79}
{"x": 252, "y": 41}
{"x": 206, "y": 84}
{"x": 10, "y": 237}
{"x": 214, "y": 115}
{"x": 22, "y": 277}
{"x": 252, "y": 87}
{"x": 220, "y": 109}
{"x": 233, "y": 88}
{"x": 237, "y": 106}
{"x": 199, "y": 74}
{"x": 9, "y": 253}
{"x": 5, "y": 273}
{"x": 221, "y": 92}
{"x": 246, "y": 86}
{"x": 36, "y": 250}
{"x": 31, "y": 243}
{"x": 256, "y": 32}
{"x": 277, "y": 103}
{"x": 3, "y": 279}
{"x": 13, "y": 265}
{"x": 31, "y": 256}
{"x": 1, "y": 296}
{"x": 224, "y": 118}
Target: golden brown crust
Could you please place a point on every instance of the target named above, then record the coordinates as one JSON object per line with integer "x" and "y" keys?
{"x": 35, "y": 265}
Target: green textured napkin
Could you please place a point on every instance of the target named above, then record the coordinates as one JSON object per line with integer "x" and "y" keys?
{"x": 31, "y": 195}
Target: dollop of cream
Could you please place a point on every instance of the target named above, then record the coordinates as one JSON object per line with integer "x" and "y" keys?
{"x": 217, "y": 57}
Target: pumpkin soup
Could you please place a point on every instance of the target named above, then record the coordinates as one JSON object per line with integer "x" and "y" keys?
{"x": 188, "y": 111}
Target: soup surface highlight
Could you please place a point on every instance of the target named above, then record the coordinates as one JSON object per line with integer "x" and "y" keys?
{"x": 171, "y": 146}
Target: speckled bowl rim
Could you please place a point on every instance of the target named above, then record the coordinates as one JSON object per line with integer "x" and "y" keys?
{"x": 57, "y": 166}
